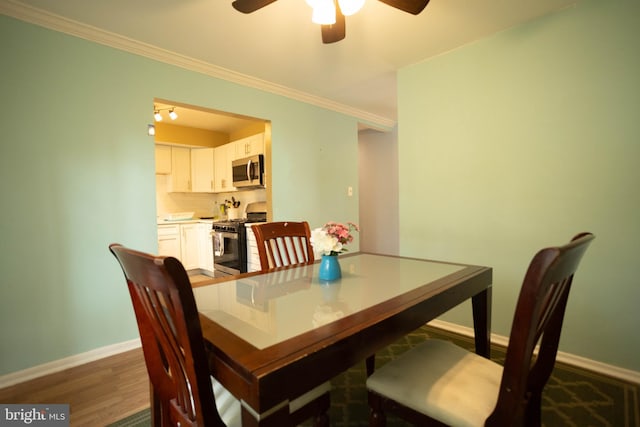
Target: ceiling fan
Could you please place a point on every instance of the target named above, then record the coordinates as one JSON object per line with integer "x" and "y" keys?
{"x": 334, "y": 32}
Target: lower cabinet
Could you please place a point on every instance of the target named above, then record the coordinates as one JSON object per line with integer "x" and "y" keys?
{"x": 190, "y": 243}
{"x": 205, "y": 247}
{"x": 169, "y": 240}
{"x": 189, "y": 246}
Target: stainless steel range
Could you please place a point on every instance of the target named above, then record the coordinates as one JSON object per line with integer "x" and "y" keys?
{"x": 230, "y": 241}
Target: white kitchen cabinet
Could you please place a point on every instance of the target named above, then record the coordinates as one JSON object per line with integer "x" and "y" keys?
{"x": 205, "y": 247}
{"x": 253, "y": 259}
{"x": 202, "y": 170}
{"x": 180, "y": 181}
{"x": 249, "y": 146}
{"x": 191, "y": 243}
{"x": 223, "y": 156}
{"x": 169, "y": 240}
{"x": 189, "y": 246}
{"x": 163, "y": 159}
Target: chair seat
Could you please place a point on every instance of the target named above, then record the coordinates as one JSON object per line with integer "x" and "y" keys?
{"x": 439, "y": 381}
{"x": 229, "y": 406}
{"x": 452, "y": 385}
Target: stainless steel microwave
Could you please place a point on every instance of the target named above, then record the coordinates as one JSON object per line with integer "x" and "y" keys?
{"x": 248, "y": 172}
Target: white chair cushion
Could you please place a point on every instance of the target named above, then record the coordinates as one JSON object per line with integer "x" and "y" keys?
{"x": 443, "y": 381}
{"x": 230, "y": 410}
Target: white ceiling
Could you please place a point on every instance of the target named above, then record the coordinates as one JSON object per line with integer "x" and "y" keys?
{"x": 280, "y": 47}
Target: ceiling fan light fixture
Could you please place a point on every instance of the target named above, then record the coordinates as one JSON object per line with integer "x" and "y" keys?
{"x": 330, "y": 14}
{"x": 350, "y": 7}
{"x": 324, "y": 12}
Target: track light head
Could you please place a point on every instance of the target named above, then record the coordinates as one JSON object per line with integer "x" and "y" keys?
{"x": 158, "y": 117}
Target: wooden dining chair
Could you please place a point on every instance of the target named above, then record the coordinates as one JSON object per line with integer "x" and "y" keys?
{"x": 438, "y": 383}
{"x": 283, "y": 243}
{"x": 183, "y": 392}
{"x": 289, "y": 243}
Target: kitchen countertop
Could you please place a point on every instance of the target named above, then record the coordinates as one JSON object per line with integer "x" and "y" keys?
{"x": 185, "y": 221}
{"x": 249, "y": 224}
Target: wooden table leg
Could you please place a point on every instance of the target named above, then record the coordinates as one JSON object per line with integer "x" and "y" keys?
{"x": 482, "y": 322}
{"x": 156, "y": 408}
{"x": 370, "y": 364}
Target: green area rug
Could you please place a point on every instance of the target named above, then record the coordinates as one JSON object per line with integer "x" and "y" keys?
{"x": 573, "y": 397}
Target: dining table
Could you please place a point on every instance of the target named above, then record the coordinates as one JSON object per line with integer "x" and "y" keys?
{"x": 271, "y": 336}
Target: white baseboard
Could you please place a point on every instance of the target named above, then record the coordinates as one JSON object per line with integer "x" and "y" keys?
{"x": 66, "y": 363}
{"x": 99, "y": 353}
{"x": 570, "y": 359}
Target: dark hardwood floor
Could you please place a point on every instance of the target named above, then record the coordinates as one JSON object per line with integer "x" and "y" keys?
{"x": 107, "y": 390}
{"x": 98, "y": 393}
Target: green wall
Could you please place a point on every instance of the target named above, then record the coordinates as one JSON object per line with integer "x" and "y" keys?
{"x": 77, "y": 173}
{"x": 521, "y": 140}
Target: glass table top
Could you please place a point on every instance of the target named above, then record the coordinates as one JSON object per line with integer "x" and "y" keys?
{"x": 270, "y": 308}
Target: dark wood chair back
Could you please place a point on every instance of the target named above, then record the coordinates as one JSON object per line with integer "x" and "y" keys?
{"x": 283, "y": 243}
{"x": 171, "y": 338}
{"x": 538, "y": 319}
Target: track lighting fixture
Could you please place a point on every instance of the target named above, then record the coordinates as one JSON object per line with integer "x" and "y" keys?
{"x": 158, "y": 117}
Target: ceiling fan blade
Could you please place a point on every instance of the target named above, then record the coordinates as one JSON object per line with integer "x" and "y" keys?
{"x": 334, "y": 32}
{"x": 248, "y": 6}
{"x": 411, "y": 6}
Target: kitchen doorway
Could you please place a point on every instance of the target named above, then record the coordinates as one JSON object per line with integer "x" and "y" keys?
{"x": 194, "y": 151}
{"x": 189, "y": 127}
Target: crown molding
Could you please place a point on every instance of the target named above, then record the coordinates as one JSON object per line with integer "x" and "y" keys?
{"x": 36, "y": 16}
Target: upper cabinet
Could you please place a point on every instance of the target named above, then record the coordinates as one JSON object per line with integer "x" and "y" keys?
{"x": 163, "y": 159}
{"x": 249, "y": 146}
{"x": 180, "y": 170}
{"x": 202, "y": 170}
{"x": 223, "y": 157}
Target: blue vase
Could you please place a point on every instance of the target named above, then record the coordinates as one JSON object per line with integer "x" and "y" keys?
{"x": 329, "y": 268}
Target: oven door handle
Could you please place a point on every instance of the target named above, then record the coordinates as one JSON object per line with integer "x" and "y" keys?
{"x": 218, "y": 241}
{"x": 217, "y": 247}
{"x": 227, "y": 235}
